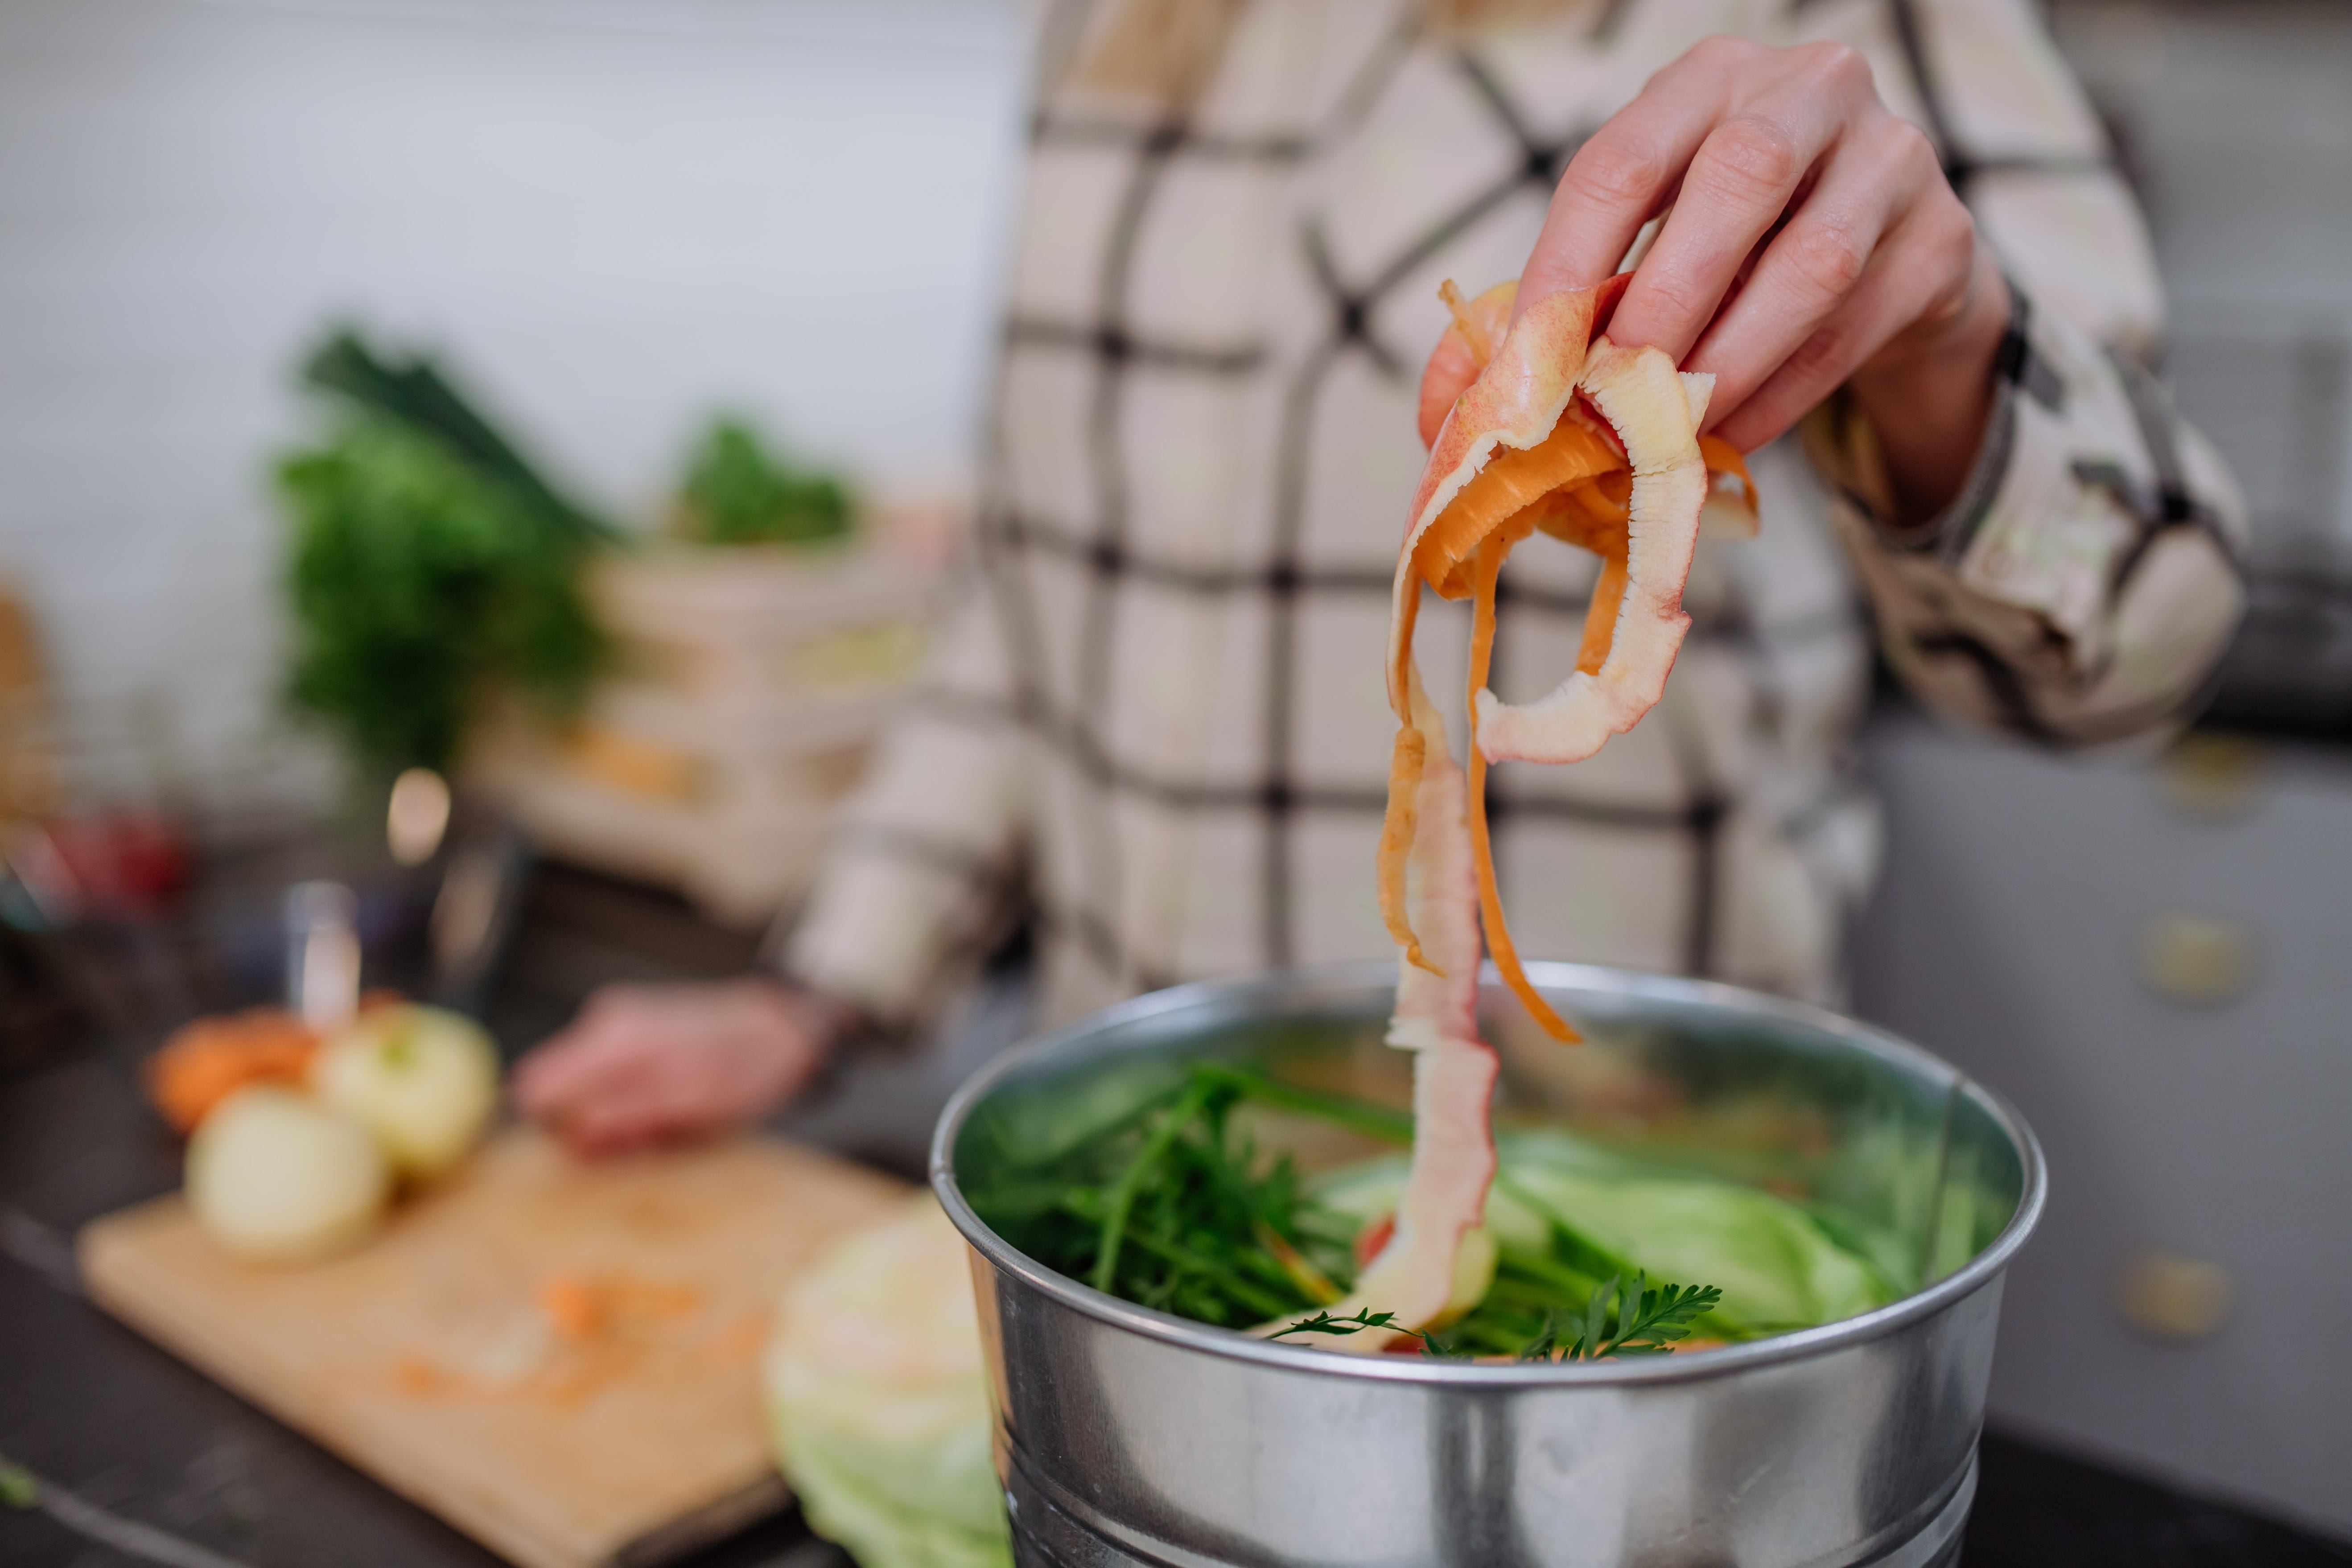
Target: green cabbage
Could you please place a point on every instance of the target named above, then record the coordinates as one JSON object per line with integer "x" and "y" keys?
{"x": 1777, "y": 1267}
{"x": 877, "y": 1399}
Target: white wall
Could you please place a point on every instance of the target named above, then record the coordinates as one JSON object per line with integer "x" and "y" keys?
{"x": 619, "y": 212}
{"x": 614, "y": 215}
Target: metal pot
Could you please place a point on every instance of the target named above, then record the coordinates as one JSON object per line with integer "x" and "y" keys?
{"x": 1127, "y": 1436}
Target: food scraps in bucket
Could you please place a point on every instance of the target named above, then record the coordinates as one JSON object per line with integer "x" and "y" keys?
{"x": 1535, "y": 425}
{"x": 1215, "y": 1230}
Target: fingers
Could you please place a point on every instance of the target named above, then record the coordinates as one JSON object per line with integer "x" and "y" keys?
{"x": 1738, "y": 185}
{"x": 1872, "y": 182}
{"x": 1627, "y": 170}
{"x": 586, "y": 1082}
{"x": 573, "y": 1064}
{"x": 1732, "y": 124}
{"x": 653, "y": 1091}
{"x": 643, "y": 1115}
{"x": 1923, "y": 273}
{"x": 1803, "y": 230}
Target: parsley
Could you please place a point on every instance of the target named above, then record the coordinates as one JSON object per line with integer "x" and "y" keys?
{"x": 427, "y": 565}
{"x": 1643, "y": 1321}
{"x": 1646, "y": 1321}
{"x": 1325, "y": 1323}
{"x": 738, "y": 490}
{"x": 1169, "y": 1203}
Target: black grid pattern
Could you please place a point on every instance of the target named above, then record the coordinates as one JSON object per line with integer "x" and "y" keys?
{"x": 1061, "y": 578}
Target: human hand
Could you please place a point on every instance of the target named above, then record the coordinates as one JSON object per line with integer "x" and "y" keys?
{"x": 1811, "y": 240}
{"x": 652, "y": 1064}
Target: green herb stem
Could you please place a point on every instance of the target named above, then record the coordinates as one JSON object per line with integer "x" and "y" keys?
{"x": 1155, "y": 1149}
{"x": 1377, "y": 1121}
{"x": 1265, "y": 1303}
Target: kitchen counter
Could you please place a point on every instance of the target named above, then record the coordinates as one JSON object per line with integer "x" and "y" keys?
{"x": 127, "y": 1428}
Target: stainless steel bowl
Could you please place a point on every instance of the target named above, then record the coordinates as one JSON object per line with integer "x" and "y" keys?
{"x": 1127, "y": 1436}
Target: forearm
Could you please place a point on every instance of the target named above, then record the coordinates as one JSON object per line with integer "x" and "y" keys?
{"x": 2082, "y": 583}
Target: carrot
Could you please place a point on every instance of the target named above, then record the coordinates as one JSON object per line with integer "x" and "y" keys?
{"x": 206, "y": 1061}
{"x": 1490, "y": 898}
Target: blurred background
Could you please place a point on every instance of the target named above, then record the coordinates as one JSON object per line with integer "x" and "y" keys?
{"x": 681, "y": 261}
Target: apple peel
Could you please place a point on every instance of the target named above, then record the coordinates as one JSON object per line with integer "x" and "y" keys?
{"x": 1418, "y": 1274}
{"x": 1534, "y": 426}
{"x": 1542, "y": 425}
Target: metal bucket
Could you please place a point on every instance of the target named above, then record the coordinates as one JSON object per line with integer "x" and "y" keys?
{"x": 1127, "y": 1436}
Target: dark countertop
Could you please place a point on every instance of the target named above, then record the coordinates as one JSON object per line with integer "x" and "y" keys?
{"x": 128, "y": 1429}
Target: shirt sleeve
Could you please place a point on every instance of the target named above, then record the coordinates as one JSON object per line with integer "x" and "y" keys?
{"x": 922, "y": 881}
{"x": 2084, "y": 584}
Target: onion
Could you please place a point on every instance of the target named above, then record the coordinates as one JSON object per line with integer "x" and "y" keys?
{"x": 424, "y": 1081}
{"x": 274, "y": 1175}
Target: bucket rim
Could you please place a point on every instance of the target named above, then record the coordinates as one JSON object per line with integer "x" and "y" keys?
{"x": 1985, "y": 1269}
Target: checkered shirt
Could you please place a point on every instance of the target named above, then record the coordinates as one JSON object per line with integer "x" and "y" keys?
{"x": 1157, "y": 726}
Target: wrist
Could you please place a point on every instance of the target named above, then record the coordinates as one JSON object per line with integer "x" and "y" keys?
{"x": 1929, "y": 394}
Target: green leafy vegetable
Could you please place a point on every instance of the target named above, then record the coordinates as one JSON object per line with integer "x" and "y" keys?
{"x": 737, "y": 491}
{"x": 416, "y": 396}
{"x": 1144, "y": 1185}
{"x": 19, "y": 1489}
{"x": 875, "y": 1388}
{"x": 428, "y": 566}
{"x": 1168, "y": 1204}
{"x": 1145, "y": 1164}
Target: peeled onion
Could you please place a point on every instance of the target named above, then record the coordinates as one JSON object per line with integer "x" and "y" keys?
{"x": 274, "y": 1175}
{"x": 423, "y": 1080}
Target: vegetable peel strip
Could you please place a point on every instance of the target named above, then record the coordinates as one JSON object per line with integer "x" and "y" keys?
{"x": 1725, "y": 461}
{"x": 1537, "y": 440}
{"x": 1396, "y": 840}
{"x": 1400, "y": 822}
{"x": 1482, "y": 848}
{"x": 1538, "y": 425}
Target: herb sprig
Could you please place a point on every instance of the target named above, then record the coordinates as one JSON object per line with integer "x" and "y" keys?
{"x": 1645, "y": 1321}
{"x": 1617, "y": 1320}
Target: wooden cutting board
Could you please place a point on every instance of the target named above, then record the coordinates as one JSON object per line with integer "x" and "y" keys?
{"x": 561, "y": 1360}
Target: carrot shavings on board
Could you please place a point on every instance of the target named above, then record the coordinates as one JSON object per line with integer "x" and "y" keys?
{"x": 588, "y": 1329}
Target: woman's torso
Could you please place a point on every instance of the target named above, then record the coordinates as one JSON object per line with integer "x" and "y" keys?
{"x": 1200, "y": 450}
